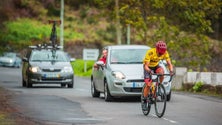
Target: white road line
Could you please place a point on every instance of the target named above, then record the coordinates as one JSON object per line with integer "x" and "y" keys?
{"x": 88, "y": 119}
{"x": 172, "y": 121}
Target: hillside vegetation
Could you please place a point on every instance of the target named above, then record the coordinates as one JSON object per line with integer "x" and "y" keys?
{"x": 190, "y": 28}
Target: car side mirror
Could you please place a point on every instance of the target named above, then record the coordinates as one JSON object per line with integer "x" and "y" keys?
{"x": 24, "y": 59}
{"x": 100, "y": 63}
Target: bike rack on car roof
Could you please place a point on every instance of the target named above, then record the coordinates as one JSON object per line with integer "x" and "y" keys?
{"x": 40, "y": 46}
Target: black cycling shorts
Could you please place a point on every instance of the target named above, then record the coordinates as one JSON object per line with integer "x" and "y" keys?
{"x": 147, "y": 74}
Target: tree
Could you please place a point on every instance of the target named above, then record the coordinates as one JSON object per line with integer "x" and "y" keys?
{"x": 182, "y": 24}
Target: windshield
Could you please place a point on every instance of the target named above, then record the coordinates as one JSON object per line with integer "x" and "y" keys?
{"x": 127, "y": 56}
{"x": 10, "y": 55}
{"x": 47, "y": 56}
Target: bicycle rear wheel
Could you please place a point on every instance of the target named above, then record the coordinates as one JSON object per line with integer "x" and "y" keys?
{"x": 145, "y": 103}
{"x": 160, "y": 101}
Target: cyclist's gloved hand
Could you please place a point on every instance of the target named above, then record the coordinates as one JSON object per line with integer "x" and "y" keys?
{"x": 171, "y": 73}
{"x": 151, "y": 72}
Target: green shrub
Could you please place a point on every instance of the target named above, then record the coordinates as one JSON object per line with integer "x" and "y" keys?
{"x": 28, "y": 30}
{"x": 197, "y": 86}
{"x": 78, "y": 67}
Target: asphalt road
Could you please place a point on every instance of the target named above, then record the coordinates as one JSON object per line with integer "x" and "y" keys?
{"x": 75, "y": 106}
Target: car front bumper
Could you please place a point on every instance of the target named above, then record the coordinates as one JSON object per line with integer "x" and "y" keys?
{"x": 51, "y": 78}
{"x": 132, "y": 87}
{"x": 10, "y": 64}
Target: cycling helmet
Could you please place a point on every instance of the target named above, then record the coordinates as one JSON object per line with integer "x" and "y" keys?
{"x": 161, "y": 47}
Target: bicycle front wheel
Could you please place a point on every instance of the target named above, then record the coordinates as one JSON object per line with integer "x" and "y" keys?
{"x": 160, "y": 101}
{"x": 145, "y": 105}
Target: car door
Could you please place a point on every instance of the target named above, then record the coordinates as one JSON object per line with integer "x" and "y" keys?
{"x": 100, "y": 78}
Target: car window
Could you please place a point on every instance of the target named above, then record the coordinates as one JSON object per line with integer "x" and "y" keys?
{"x": 58, "y": 56}
{"x": 127, "y": 56}
{"x": 10, "y": 55}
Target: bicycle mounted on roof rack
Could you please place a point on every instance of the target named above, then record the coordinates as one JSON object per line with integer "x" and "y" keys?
{"x": 53, "y": 36}
{"x": 53, "y": 39}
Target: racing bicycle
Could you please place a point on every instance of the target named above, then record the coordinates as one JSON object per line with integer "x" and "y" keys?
{"x": 53, "y": 37}
{"x": 157, "y": 96}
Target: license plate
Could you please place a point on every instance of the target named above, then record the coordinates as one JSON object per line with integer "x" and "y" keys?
{"x": 135, "y": 84}
{"x": 51, "y": 75}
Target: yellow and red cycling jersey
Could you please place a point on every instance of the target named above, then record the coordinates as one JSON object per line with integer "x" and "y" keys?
{"x": 153, "y": 59}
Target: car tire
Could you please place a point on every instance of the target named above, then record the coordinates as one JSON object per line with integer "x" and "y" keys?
{"x": 29, "y": 84}
{"x": 107, "y": 94}
{"x": 19, "y": 65}
{"x": 70, "y": 85}
{"x": 169, "y": 96}
{"x": 23, "y": 83}
{"x": 94, "y": 92}
{"x": 63, "y": 85}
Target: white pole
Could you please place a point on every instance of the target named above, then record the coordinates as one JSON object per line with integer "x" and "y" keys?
{"x": 118, "y": 32}
{"x": 62, "y": 23}
{"x": 128, "y": 34}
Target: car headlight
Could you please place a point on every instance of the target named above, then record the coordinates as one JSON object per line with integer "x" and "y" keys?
{"x": 118, "y": 75}
{"x": 67, "y": 69}
{"x": 11, "y": 61}
{"x": 34, "y": 69}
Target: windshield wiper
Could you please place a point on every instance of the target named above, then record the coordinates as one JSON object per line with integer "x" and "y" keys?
{"x": 36, "y": 60}
{"x": 134, "y": 62}
{"x": 120, "y": 62}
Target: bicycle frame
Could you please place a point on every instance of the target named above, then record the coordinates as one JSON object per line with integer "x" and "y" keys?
{"x": 157, "y": 80}
{"x": 53, "y": 36}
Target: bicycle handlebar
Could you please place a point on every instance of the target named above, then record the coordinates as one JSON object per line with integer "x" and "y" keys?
{"x": 158, "y": 75}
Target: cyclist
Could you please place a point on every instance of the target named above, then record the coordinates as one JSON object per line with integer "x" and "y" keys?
{"x": 151, "y": 64}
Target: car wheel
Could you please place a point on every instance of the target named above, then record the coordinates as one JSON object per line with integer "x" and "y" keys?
{"x": 107, "y": 95}
{"x": 23, "y": 83}
{"x": 94, "y": 92}
{"x": 70, "y": 85}
{"x": 14, "y": 65}
{"x": 19, "y": 65}
{"x": 169, "y": 96}
{"x": 63, "y": 85}
{"x": 29, "y": 84}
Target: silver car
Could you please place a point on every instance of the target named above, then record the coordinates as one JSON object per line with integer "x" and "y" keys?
{"x": 122, "y": 75}
{"x": 10, "y": 59}
{"x": 45, "y": 66}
